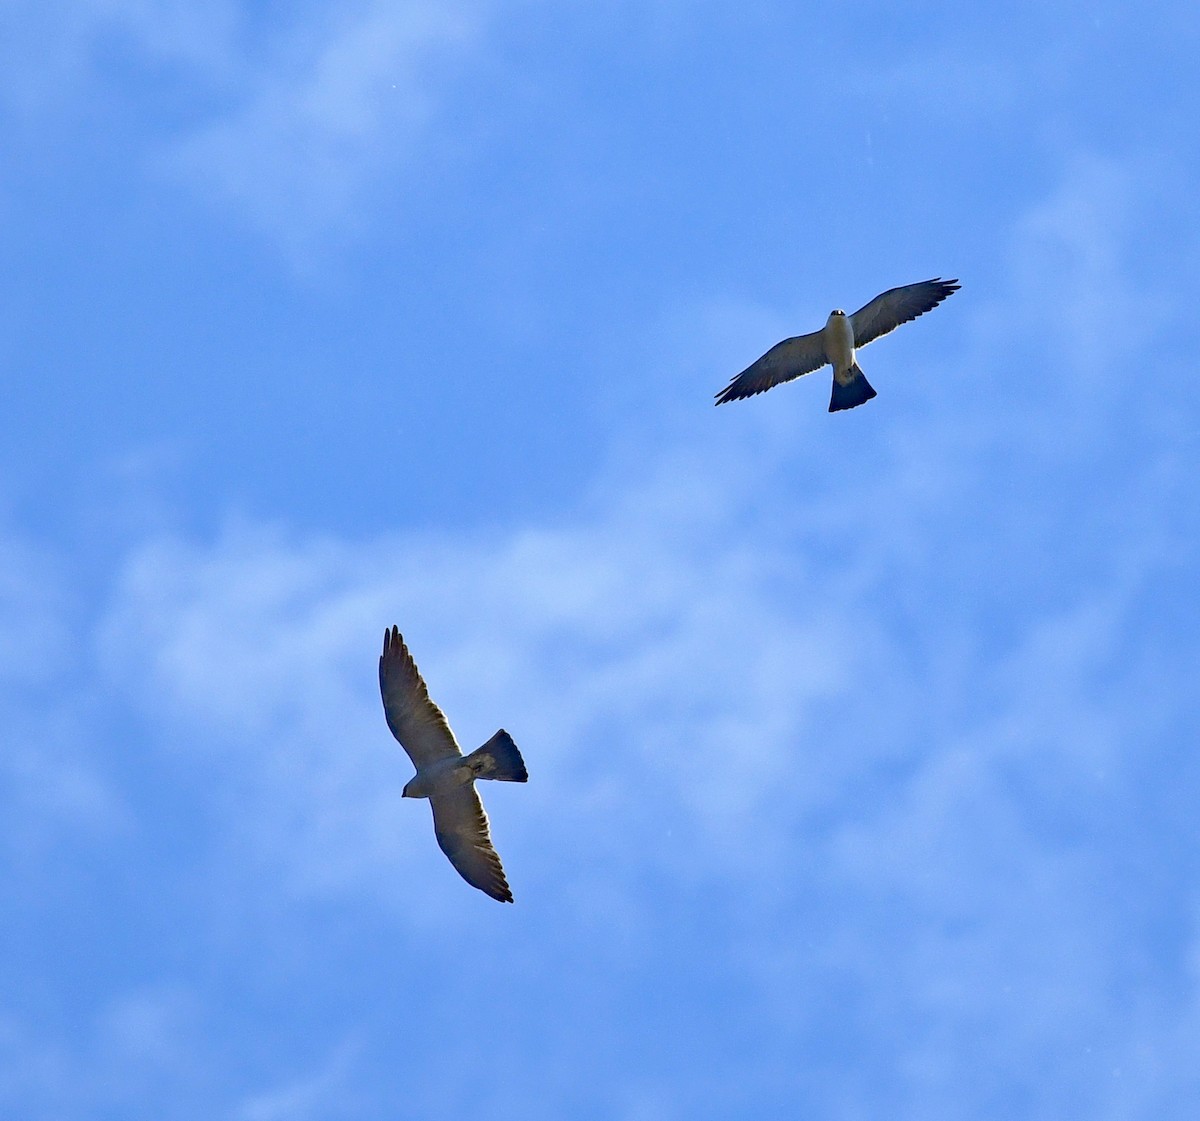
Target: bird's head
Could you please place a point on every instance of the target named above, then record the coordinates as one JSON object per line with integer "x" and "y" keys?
{"x": 407, "y": 792}
{"x": 837, "y": 311}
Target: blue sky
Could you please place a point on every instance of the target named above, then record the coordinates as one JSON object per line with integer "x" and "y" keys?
{"x": 862, "y": 746}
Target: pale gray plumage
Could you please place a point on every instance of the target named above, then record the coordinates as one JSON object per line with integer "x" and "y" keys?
{"x": 444, "y": 775}
{"x": 834, "y": 345}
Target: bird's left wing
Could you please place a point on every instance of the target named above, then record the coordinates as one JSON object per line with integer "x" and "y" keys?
{"x": 789, "y": 359}
{"x": 413, "y": 718}
{"x": 898, "y": 305}
{"x": 462, "y": 833}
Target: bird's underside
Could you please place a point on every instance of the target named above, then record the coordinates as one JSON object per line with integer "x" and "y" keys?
{"x": 835, "y": 344}
{"x": 444, "y": 775}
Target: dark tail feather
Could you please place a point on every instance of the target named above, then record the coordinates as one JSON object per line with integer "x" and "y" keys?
{"x": 857, "y": 391}
{"x": 498, "y": 759}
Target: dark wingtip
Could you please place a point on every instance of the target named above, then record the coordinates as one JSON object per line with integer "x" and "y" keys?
{"x": 727, "y": 394}
{"x": 393, "y": 646}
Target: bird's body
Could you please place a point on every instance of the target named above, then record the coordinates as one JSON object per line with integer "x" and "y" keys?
{"x": 437, "y": 776}
{"x": 835, "y": 344}
{"x": 444, "y": 775}
{"x": 838, "y": 340}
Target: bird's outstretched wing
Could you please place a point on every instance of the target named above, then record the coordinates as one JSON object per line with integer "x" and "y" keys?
{"x": 413, "y": 718}
{"x": 461, "y": 827}
{"x": 898, "y": 305}
{"x": 789, "y": 359}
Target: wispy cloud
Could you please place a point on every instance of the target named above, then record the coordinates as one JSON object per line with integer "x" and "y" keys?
{"x": 48, "y": 781}
{"x": 707, "y": 705}
{"x": 1081, "y": 235}
{"x": 342, "y": 101}
{"x": 132, "y": 1049}
{"x": 50, "y": 50}
{"x": 900, "y": 703}
{"x": 739, "y": 674}
{"x": 612, "y": 649}
{"x": 294, "y": 134}
{"x": 323, "y": 1093}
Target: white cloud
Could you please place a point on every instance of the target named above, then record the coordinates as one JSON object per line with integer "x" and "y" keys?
{"x": 1081, "y": 236}
{"x": 301, "y": 127}
{"x": 340, "y": 102}
{"x": 48, "y": 781}
{"x": 130, "y": 1051}
{"x": 50, "y": 48}
{"x": 200, "y": 36}
{"x": 717, "y": 651}
{"x": 148, "y": 1052}
{"x": 32, "y": 628}
{"x": 771, "y": 667}
{"x": 644, "y": 635}
{"x": 323, "y": 1093}
{"x": 880, "y": 711}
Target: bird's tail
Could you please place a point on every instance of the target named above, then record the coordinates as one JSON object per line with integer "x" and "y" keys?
{"x": 498, "y": 759}
{"x": 856, "y": 391}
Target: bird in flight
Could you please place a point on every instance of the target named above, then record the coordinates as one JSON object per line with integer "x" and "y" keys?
{"x": 836, "y": 343}
{"x": 444, "y": 775}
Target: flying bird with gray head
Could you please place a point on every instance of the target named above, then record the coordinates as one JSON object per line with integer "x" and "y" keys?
{"x": 836, "y": 343}
{"x": 444, "y": 775}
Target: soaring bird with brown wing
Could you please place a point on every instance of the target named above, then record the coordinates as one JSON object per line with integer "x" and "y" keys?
{"x": 444, "y": 775}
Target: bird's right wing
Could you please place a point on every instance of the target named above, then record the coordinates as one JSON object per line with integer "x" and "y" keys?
{"x": 413, "y": 718}
{"x": 898, "y": 305}
{"x": 789, "y": 359}
{"x": 462, "y": 833}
